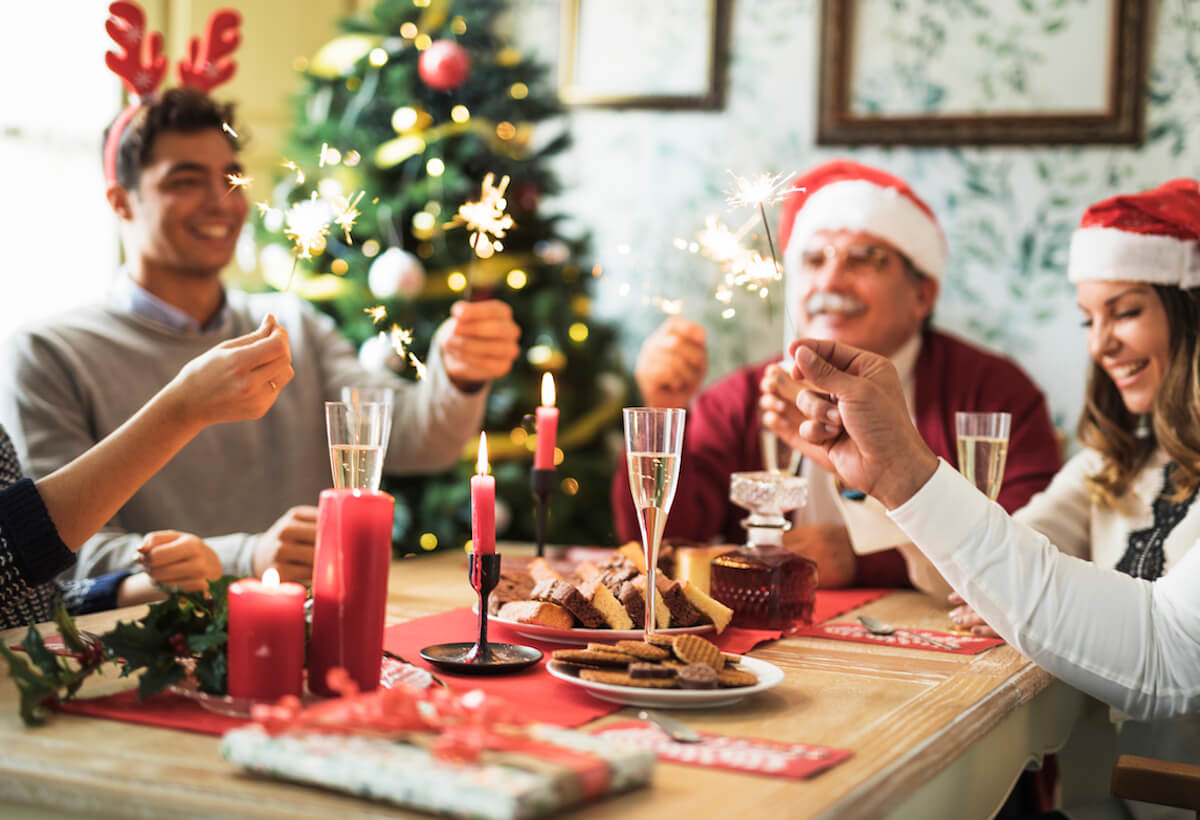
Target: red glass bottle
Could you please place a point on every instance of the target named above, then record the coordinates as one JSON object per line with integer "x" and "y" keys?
{"x": 766, "y": 585}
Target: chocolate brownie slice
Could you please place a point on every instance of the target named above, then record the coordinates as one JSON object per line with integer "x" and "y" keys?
{"x": 682, "y": 611}
{"x": 571, "y": 599}
{"x": 514, "y": 585}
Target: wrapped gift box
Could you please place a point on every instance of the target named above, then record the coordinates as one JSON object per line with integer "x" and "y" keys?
{"x": 470, "y": 764}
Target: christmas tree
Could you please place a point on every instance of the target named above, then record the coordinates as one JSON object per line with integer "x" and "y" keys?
{"x": 413, "y": 105}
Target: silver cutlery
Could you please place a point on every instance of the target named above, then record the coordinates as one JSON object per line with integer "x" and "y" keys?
{"x": 679, "y": 732}
{"x": 877, "y": 627}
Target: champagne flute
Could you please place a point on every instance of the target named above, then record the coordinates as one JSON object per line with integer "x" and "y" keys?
{"x": 356, "y": 443}
{"x": 983, "y": 449}
{"x": 653, "y": 445}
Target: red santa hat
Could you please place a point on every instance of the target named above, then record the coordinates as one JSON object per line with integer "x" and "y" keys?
{"x": 1147, "y": 237}
{"x": 845, "y": 195}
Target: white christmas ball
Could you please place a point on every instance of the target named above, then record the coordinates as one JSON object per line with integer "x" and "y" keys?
{"x": 396, "y": 272}
{"x": 503, "y": 516}
{"x": 377, "y": 354}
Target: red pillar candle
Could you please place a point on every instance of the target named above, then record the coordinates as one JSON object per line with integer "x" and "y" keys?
{"x": 547, "y": 427}
{"x": 483, "y": 504}
{"x": 266, "y": 638}
{"x": 350, "y": 575}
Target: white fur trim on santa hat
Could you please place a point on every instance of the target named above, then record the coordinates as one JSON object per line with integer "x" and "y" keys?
{"x": 1113, "y": 254}
{"x": 858, "y": 205}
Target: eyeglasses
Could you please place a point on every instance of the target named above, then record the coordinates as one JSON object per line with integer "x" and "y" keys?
{"x": 858, "y": 258}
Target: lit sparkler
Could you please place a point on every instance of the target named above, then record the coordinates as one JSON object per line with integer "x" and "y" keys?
{"x": 238, "y": 180}
{"x": 400, "y": 339}
{"x": 347, "y": 213}
{"x": 763, "y": 190}
{"x": 485, "y": 217}
{"x": 228, "y": 129}
{"x": 377, "y": 313}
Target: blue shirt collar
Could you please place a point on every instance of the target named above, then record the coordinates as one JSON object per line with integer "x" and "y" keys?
{"x": 127, "y": 295}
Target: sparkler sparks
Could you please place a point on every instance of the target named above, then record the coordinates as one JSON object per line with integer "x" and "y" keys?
{"x": 238, "y": 180}
{"x": 418, "y": 366}
{"x": 485, "y": 218}
{"x": 291, "y": 166}
{"x": 228, "y": 129}
{"x": 347, "y": 213}
{"x": 400, "y": 339}
{"x": 377, "y": 313}
{"x": 765, "y": 189}
{"x": 308, "y": 224}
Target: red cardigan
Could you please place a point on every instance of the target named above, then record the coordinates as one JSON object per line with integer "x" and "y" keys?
{"x": 951, "y": 375}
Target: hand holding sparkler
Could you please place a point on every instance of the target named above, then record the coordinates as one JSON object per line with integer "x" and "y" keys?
{"x": 481, "y": 343}
{"x": 777, "y": 400}
{"x": 672, "y": 364}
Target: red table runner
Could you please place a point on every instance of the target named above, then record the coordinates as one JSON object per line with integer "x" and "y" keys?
{"x": 538, "y": 696}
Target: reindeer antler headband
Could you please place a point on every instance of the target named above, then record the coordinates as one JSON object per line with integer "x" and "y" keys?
{"x": 141, "y": 64}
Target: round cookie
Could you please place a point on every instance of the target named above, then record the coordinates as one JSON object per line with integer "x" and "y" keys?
{"x": 732, "y": 678}
{"x": 697, "y": 676}
{"x": 644, "y": 651}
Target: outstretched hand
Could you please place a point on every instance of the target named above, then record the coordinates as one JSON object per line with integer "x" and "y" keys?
{"x": 854, "y": 420}
{"x": 236, "y": 380}
{"x": 482, "y": 343}
{"x": 672, "y": 363}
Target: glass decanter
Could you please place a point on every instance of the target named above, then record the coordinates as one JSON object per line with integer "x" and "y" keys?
{"x": 766, "y": 585}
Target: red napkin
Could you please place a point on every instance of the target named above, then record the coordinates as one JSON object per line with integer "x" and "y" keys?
{"x": 167, "y": 710}
{"x": 967, "y": 644}
{"x": 740, "y": 754}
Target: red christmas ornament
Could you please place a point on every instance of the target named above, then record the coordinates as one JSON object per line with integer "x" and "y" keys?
{"x": 444, "y": 66}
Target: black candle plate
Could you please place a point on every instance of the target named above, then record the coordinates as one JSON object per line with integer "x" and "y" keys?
{"x": 466, "y": 659}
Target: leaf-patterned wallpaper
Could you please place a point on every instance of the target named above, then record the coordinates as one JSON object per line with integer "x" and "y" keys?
{"x": 638, "y": 181}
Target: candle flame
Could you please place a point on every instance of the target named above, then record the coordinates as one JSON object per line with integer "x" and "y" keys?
{"x": 547, "y": 390}
{"x": 481, "y": 463}
{"x": 271, "y": 577}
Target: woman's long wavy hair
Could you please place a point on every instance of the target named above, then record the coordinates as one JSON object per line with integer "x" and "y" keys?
{"x": 1107, "y": 426}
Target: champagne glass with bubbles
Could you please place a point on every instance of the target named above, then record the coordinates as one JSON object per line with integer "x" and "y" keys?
{"x": 653, "y": 444}
{"x": 357, "y": 440}
{"x": 983, "y": 449}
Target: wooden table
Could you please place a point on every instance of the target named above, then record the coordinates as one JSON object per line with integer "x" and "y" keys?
{"x": 933, "y": 735}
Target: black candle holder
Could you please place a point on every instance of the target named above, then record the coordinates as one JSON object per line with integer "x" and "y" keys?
{"x": 541, "y": 482}
{"x": 482, "y": 657}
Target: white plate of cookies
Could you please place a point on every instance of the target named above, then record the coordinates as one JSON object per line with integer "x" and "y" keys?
{"x": 600, "y": 602}
{"x": 680, "y": 672}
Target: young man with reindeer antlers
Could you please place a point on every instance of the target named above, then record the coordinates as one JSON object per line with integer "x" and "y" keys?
{"x": 244, "y": 490}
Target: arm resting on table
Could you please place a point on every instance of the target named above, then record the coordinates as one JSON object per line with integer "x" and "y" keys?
{"x": 1129, "y": 642}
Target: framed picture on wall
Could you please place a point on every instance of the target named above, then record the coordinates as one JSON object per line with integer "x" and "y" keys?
{"x": 931, "y": 73}
{"x": 638, "y": 54}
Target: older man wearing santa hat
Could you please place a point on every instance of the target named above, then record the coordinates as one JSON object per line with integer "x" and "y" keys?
{"x": 863, "y": 258}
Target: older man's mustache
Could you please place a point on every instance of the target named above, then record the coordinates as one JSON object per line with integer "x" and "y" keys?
{"x": 837, "y": 303}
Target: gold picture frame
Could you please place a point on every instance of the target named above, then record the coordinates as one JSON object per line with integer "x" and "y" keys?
{"x": 600, "y": 65}
{"x": 1119, "y": 71}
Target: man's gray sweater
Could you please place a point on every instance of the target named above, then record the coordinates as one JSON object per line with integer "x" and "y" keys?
{"x": 67, "y": 383}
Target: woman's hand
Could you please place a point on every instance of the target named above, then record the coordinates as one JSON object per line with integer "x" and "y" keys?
{"x": 966, "y": 618}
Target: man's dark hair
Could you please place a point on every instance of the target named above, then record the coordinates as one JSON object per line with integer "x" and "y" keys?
{"x": 178, "y": 109}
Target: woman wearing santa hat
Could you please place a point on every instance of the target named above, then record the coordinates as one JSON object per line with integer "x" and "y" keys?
{"x": 1124, "y": 627}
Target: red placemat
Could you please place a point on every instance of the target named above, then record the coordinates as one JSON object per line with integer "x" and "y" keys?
{"x": 165, "y": 710}
{"x": 538, "y": 696}
{"x": 739, "y": 754}
{"x": 966, "y": 644}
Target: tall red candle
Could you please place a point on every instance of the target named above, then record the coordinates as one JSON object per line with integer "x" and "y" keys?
{"x": 266, "y": 638}
{"x": 350, "y": 575}
{"x": 483, "y": 504}
{"x": 547, "y": 427}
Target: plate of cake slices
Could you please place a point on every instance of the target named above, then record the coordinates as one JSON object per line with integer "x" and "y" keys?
{"x": 599, "y": 601}
{"x": 667, "y": 672}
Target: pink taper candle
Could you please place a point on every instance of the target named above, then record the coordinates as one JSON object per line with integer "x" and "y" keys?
{"x": 483, "y": 504}
{"x": 547, "y": 427}
{"x": 350, "y": 577}
{"x": 266, "y": 637}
